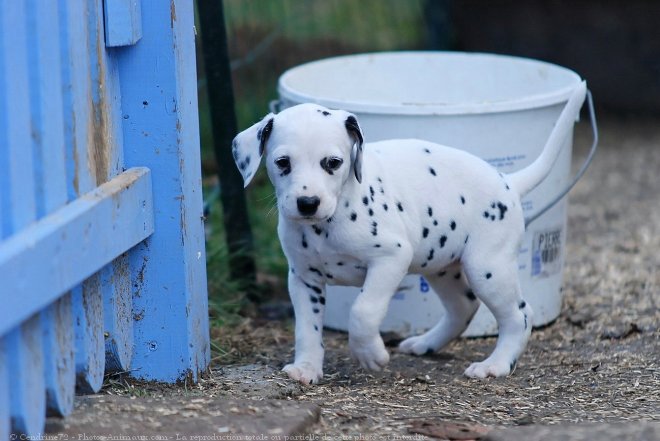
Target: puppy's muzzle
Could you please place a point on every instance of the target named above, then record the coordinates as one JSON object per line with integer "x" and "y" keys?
{"x": 307, "y": 205}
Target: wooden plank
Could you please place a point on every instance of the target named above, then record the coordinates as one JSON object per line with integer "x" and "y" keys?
{"x": 50, "y": 186}
{"x": 26, "y": 369}
{"x": 58, "y": 341}
{"x": 90, "y": 353}
{"x": 16, "y": 179}
{"x": 73, "y": 242}
{"x": 123, "y": 22}
{"x": 5, "y": 426}
{"x": 24, "y": 348}
{"x": 108, "y": 152}
{"x": 118, "y": 314}
{"x": 83, "y": 130}
{"x": 159, "y": 102}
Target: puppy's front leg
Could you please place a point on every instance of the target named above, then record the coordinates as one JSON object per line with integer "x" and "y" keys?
{"x": 308, "y": 298}
{"x": 367, "y": 313}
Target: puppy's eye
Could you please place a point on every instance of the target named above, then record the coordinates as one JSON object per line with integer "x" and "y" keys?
{"x": 283, "y": 162}
{"x": 331, "y": 164}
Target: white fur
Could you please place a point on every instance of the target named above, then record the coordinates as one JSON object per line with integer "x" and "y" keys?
{"x": 419, "y": 207}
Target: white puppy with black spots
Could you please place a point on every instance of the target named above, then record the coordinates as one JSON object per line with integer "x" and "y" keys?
{"x": 368, "y": 214}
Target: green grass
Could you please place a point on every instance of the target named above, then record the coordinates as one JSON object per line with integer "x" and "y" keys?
{"x": 299, "y": 31}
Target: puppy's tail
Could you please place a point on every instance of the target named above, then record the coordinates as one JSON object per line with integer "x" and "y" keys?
{"x": 528, "y": 178}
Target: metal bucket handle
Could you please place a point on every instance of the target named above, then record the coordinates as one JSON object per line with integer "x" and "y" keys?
{"x": 585, "y": 165}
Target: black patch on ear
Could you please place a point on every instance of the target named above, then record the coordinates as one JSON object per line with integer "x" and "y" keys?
{"x": 354, "y": 129}
{"x": 263, "y": 134}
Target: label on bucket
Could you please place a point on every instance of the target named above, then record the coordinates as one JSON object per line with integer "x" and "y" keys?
{"x": 546, "y": 252}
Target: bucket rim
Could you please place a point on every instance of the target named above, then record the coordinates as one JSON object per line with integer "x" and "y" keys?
{"x": 520, "y": 103}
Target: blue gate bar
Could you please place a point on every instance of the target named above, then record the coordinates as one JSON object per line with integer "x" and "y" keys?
{"x": 71, "y": 243}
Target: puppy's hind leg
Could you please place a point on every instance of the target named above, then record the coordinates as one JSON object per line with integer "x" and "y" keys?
{"x": 496, "y": 284}
{"x": 460, "y": 304}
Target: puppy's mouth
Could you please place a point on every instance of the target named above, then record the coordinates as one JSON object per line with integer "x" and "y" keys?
{"x": 308, "y": 220}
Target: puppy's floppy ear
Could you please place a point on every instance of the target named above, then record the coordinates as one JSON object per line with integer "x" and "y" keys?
{"x": 249, "y": 145}
{"x": 355, "y": 133}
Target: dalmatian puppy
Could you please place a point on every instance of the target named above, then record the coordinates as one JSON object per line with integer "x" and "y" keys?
{"x": 366, "y": 215}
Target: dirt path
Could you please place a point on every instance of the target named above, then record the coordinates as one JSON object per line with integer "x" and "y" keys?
{"x": 599, "y": 362}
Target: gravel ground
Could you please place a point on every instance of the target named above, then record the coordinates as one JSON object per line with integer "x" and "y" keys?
{"x": 599, "y": 361}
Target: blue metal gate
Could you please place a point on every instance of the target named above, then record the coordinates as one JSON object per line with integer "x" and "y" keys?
{"x": 102, "y": 261}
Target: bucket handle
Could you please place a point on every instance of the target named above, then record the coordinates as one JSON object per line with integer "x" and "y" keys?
{"x": 583, "y": 168}
{"x": 275, "y": 106}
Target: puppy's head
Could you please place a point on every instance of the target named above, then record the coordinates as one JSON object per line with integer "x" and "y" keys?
{"x": 311, "y": 152}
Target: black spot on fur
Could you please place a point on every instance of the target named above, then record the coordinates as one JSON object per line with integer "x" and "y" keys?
{"x": 489, "y": 275}
{"x": 466, "y": 239}
{"x": 324, "y": 112}
{"x": 316, "y": 289}
{"x": 340, "y": 263}
{"x": 425, "y": 232}
{"x": 374, "y": 228}
{"x": 365, "y": 200}
{"x": 452, "y": 225}
{"x": 492, "y": 218}
{"x": 316, "y": 328}
{"x": 470, "y": 295}
{"x": 486, "y": 214}
{"x": 462, "y": 200}
{"x": 398, "y": 245}
{"x": 435, "y": 223}
{"x": 443, "y": 241}
{"x": 427, "y": 150}
{"x": 442, "y": 273}
{"x": 316, "y": 270}
{"x": 457, "y": 276}
{"x": 318, "y": 230}
{"x": 314, "y": 299}
{"x": 372, "y": 192}
{"x": 316, "y": 310}
{"x": 430, "y": 256}
{"x": 322, "y": 300}
{"x": 353, "y": 216}
{"x": 346, "y": 204}
{"x": 382, "y": 190}
{"x": 385, "y": 207}
{"x": 503, "y": 209}
{"x": 377, "y": 245}
{"x": 430, "y": 211}
{"x": 304, "y": 241}
{"x": 432, "y": 171}
{"x": 329, "y": 276}
{"x": 522, "y": 305}
{"x": 424, "y": 265}
{"x": 371, "y": 212}
{"x": 399, "y": 206}
{"x": 379, "y": 180}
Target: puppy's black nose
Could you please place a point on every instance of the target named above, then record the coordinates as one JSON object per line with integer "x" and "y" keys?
{"x": 307, "y": 205}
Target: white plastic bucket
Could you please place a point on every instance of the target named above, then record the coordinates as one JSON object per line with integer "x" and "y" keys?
{"x": 499, "y": 108}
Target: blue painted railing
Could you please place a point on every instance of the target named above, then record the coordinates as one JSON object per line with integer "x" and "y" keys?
{"x": 102, "y": 262}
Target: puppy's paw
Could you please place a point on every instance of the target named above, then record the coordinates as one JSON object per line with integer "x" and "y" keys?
{"x": 304, "y": 372}
{"x": 418, "y": 345}
{"x": 370, "y": 353}
{"x": 489, "y": 368}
